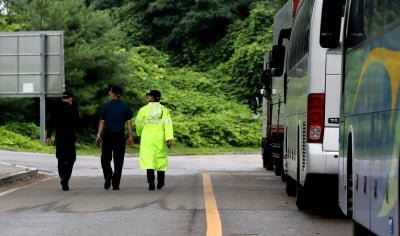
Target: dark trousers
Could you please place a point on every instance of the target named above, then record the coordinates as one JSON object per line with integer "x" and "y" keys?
{"x": 66, "y": 156}
{"x": 113, "y": 148}
{"x": 65, "y": 169}
{"x": 151, "y": 176}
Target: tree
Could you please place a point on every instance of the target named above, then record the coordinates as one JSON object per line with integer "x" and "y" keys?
{"x": 6, "y": 27}
{"x": 252, "y": 39}
{"x": 189, "y": 30}
{"x": 105, "y": 4}
{"x": 93, "y": 56}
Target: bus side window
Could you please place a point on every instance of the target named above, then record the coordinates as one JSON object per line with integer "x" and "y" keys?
{"x": 377, "y": 19}
{"x": 332, "y": 12}
{"x": 391, "y": 11}
{"x": 382, "y": 15}
{"x": 355, "y": 32}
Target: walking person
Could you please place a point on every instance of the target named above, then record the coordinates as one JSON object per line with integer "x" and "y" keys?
{"x": 64, "y": 120}
{"x": 154, "y": 125}
{"x": 113, "y": 117}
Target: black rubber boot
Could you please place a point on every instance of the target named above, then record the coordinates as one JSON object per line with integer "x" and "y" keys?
{"x": 160, "y": 179}
{"x": 150, "y": 179}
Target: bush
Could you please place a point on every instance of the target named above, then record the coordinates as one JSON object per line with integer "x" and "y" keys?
{"x": 17, "y": 142}
{"x": 26, "y": 129}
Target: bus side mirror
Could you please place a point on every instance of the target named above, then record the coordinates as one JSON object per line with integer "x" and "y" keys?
{"x": 266, "y": 77}
{"x": 277, "y": 60}
{"x": 332, "y": 12}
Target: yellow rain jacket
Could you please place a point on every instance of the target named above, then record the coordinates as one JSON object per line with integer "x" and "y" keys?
{"x": 154, "y": 125}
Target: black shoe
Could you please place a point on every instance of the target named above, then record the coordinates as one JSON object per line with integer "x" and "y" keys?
{"x": 115, "y": 188}
{"x": 152, "y": 186}
{"x": 65, "y": 188}
{"x": 64, "y": 185}
{"x": 159, "y": 185}
{"x": 107, "y": 184}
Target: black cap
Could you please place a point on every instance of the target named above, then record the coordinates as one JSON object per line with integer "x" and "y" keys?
{"x": 116, "y": 90}
{"x": 67, "y": 94}
{"x": 154, "y": 93}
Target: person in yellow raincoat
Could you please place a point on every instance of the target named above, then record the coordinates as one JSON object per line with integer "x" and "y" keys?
{"x": 154, "y": 126}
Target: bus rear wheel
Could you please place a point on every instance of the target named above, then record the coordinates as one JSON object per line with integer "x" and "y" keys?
{"x": 300, "y": 199}
{"x": 359, "y": 230}
{"x": 290, "y": 186}
{"x": 300, "y": 191}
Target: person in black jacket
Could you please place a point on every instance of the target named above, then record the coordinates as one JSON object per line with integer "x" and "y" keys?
{"x": 64, "y": 120}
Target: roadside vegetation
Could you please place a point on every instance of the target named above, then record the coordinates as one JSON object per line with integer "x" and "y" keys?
{"x": 204, "y": 56}
{"x": 13, "y": 141}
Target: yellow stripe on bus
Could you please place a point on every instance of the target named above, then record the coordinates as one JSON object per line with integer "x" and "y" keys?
{"x": 212, "y": 215}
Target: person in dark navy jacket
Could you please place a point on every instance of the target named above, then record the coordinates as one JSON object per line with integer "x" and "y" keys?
{"x": 113, "y": 117}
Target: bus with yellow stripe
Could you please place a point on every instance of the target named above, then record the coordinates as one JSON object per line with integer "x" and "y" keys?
{"x": 369, "y": 137}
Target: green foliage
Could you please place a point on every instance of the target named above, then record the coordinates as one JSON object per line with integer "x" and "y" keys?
{"x": 17, "y": 110}
{"x": 5, "y": 26}
{"x": 224, "y": 129}
{"x": 250, "y": 45}
{"x": 202, "y": 114}
{"x": 104, "y": 44}
{"x": 105, "y": 4}
{"x": 129, "y": 25}
{"x": 189, "y": 30}
{"x": 26, "y": 129}
{"x": 93, "y": 56}
{"x": 17, "y": 142}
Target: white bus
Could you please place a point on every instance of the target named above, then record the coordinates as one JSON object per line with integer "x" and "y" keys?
{"x": 312, "y": 102}
{"x": 370, "y": 116}
{"x": 273, "y": 99}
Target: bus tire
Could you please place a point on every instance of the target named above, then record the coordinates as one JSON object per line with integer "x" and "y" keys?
{"x": 359, "y": 230}
{"x": 284, "y": 176}
{"x": 278, "y": 163}
{"x": 300, "y": 193}
{"x": 268, "y": 162}
{"x": 290, "y": 186}
{"x": 300, "y": 199}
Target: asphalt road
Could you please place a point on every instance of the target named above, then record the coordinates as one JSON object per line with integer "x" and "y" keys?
{"x": 249, "y": 201}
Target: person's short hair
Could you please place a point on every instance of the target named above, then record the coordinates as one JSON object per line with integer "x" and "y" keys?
{"x": 116, "y": 90}
{"x": 67, "y": 94}
{"x": 155, "y": 94}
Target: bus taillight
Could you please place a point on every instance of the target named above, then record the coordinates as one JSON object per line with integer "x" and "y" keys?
{"x": 315, "y": 117}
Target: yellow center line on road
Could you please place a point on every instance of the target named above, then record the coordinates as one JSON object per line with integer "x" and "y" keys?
{"x": 212, "y": 215}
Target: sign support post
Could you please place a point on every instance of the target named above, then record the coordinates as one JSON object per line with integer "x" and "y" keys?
{"x": 42, "y": 88}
